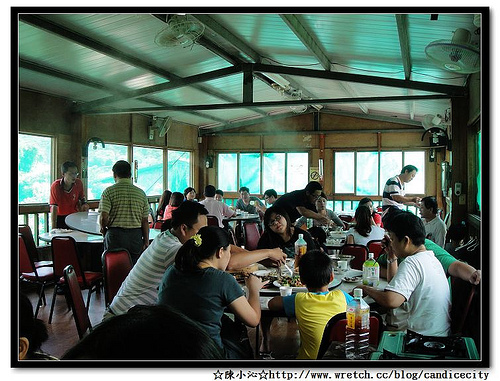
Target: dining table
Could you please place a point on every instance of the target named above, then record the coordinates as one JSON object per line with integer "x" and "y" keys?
{"x": 343, "y": 280}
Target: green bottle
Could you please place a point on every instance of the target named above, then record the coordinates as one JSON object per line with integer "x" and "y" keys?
{"x": 371, "y": 271}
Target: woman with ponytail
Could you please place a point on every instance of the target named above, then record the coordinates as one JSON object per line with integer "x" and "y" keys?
{"x": 199, "y": 287}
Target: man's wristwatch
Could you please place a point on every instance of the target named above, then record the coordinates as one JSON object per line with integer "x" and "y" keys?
{"x": 389, "y": 261}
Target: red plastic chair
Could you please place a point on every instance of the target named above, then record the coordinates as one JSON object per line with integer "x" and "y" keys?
{"x": 360, "y": 253}
{"x": 25, "y": 230}
{"x": 335, "y": 331}
{"x": 212, "y": 220}
{"x": 375, "y": 247}
{"x": 116, "y": 264}
{"x": 158, "y": 224}
{"x": 80, "y": 313}
{"x": 252, "y": 235}
{"x": 64, "y": 252}
{"x": 29, "y": 273}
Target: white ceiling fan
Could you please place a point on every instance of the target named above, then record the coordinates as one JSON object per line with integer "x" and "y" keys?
{"x": 437, "y": 126}
{"x": 162, "y": 125}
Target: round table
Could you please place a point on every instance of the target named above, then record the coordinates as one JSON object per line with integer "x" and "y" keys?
{"x": 87, "y": 222}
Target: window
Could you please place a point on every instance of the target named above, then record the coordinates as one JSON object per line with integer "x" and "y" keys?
{"x": 273, "y": 172}
{"x": 34, "y": 168}
{"x": 281, "y": 171}
{"x": 100, "y": 164}
{"x": 150, "y": 170}
{"x": 365, "y": 173}
{"x": 250, "y": 171}
{"x": 179, "y": 170}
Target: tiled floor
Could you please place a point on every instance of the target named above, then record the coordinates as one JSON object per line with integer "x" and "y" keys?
{"x": 63, "y": 334}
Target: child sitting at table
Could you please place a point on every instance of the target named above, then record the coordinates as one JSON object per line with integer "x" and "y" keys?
{"x": 313, "y": 309}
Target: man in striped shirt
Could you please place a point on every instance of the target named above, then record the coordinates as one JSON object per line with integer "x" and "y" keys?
{"x": 124, "y": 213}
{"x": 394, "y": 190}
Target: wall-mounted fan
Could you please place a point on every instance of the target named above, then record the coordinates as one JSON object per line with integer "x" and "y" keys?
{"x": 457, "y": 55}
{"x": 162, "y": 125}
{"x": 437, "y": 127}
{"x": 181, "y": 30}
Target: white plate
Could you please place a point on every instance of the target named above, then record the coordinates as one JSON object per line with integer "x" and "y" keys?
{"x": 262, "y": 273}
{"x": 60, "y": 231}
{"x": 334, "y": 283}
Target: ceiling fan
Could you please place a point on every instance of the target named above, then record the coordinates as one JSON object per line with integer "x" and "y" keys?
{"x": 457, "y": 55}
{"x": 181, "y": 30}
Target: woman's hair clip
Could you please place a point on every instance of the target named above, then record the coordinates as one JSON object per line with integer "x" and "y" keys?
{"x": 197, "y": 240}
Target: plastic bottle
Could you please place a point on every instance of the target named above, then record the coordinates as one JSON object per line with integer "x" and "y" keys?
{"x": 371, "y": 271}
{"x": 300, "y": 250}
{"x": 357, "y": 331}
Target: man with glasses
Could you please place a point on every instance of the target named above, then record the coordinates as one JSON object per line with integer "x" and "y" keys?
{"x": 66, "y": 196}
{"x": 302, "y": 203}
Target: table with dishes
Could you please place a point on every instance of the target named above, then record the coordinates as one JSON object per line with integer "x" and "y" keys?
{"x": 345, "y": 279}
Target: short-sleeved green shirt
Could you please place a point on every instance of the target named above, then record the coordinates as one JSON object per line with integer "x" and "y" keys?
{"x": 445, "y": 258}
{"x": 125, "y": 203}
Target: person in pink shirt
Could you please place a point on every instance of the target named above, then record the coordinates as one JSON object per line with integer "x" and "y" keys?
{"x": 214, "y": 207}
{"x": 175, "y": 201}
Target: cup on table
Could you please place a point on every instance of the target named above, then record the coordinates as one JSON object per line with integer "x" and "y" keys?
{"x": 285, "y": 291}
{"x": 342, "y": 266}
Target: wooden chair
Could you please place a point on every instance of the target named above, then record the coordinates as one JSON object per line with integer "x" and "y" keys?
{"x": 335, "y": 331}
{"x": 25, "y": 230}
{"x": 80, "y": 313}
{"x": 28, "y": 272}
{"x": 375, "y": 246}
{"x": 212, "y": 220}
{"x": 360, "y": 253}
{"x": 64, "y": 252}
{"x": 252, "y": 235}
{"x": 116, "y": 264}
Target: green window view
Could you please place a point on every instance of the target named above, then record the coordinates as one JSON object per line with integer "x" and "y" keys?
{"x": 100, "y": 164}
{"x": 370, "y": 171}
{"x": 250, "y": 171}
{"x": 150, "y": 169}
{"x": 344, "y": 172}
{"x": 297, "y": 170}
{"x": 227, "y": 171}
{"x": 34, "y": 167}
{"x": 366, "y": 180}
{"x": 273, "y": 172}
{"x": 178, "y": 165}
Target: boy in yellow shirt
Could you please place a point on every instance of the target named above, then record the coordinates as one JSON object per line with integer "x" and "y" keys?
{"x": 314, "y": 308}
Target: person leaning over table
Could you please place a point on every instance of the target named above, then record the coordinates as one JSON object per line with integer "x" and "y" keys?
{"x": 124, "y": 211}
{"x": 141, "y": 284}
{"x": 419, "y": 282}
{"x": 301, "y": 203}
{"x": 314, "y": 308}
{"x": 389, "y": 264}
{"x": 321, "y": 208}
{"x": 66, "y": 196}
{"x": 199, "y": 287}
{"x": 394, "y": 190}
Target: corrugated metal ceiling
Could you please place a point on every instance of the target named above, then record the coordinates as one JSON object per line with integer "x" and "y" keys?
{"x": 103, "y": 61}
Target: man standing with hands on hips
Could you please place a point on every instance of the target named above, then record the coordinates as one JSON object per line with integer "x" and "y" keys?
{"x": 66, "y": 196}
{"x": 124, "y": 213}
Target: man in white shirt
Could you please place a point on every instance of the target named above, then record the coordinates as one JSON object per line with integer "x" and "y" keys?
{"x": 419, "y": 281}
{"x": 214, "y": 207}
{"x": 435, "y": 228}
